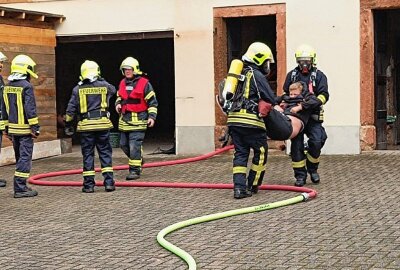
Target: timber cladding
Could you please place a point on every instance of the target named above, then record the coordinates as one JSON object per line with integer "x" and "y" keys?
{"x": 38, "y": 43}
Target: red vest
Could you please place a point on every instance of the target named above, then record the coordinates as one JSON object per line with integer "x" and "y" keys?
{"x": 135, "y": 101}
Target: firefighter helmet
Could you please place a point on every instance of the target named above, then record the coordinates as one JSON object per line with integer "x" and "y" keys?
{"x": 258, "y": 53}
{"x": 130, "y": 63}
{"x": 306, "y": 58}
{"x": 23, "y": 64}
{"x": 89, "y": 70}
{"x": 2, "y": 57}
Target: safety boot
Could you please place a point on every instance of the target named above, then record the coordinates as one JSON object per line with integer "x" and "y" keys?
{"x": 254, "y": 189}
{"x": 88, "y": 189}
{"x": 3, "y": 183}
{"x": 300, "y": 182}
{"x": 27, "y": 193}
{"x": 240, "y": 193}
{"x": 109, "y": 188}
{"x": 315, "y": 177}
{"x": 132, "y": 176}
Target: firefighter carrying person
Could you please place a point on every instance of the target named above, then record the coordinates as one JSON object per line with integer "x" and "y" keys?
{"x": 21, "y": 120}
{"x": 137, "y": 105}
{"x": 89, "y": 102}
{"x": 317, "y": 82}
{"x": 3, "y": 58}
{"x": 246, "y": 128}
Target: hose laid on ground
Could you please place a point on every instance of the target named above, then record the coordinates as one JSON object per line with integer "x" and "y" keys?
{"x": 186, "y": 256}
{"x": 307, "y": 194}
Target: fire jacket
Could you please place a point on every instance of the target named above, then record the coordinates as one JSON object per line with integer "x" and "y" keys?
{"x": 2, "y": 122}
{"x": 250, "y": 91}
{"x": 19, "y": 108}
{"x": 89, "y": 102}
{"x": 316, "y": 80}
{"x": 139, "y": 103}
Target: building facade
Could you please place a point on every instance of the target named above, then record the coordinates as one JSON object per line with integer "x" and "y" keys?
{"x": 186, "y": 47}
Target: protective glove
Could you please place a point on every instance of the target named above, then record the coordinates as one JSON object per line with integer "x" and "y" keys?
{"x": 264, "y": 108}
{"x": 35, "y": 131}
{"x": 68, "y": 129}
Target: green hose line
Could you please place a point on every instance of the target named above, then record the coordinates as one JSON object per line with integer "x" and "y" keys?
{"x": 186, "y": 256}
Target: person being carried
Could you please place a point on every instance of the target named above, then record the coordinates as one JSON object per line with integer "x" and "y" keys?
{"x": 287, "y": 119}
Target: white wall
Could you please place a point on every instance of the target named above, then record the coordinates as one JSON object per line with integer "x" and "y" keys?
{"x": 332, "y": 27}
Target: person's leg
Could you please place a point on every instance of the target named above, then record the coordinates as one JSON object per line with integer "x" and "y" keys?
{"x": 279, "y": 126}
{"x": 87, "y": 147}
{"x": 258, "y": 142}
{"x": 316, "y": 139}
{"x": 104, "y": 150}
{"x": 124, "y": 142}
{"x": 3, "y": 182}
{"x": 135, "y": 157}
{"x": 24, "y": 146}
{"x": 240, "y": 159}
{"x": 298, "y": 159}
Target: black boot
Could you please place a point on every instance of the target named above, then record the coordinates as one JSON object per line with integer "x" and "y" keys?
{"x": 315, "y": 177}
{"x": 240, "y": 193}
{"x": 88, "y": 189}
{"x": 132, "y": 176}
{"x": 109, "y": 188}
{"x": 3, "y": 183}
{"x": 27, "y": 193}
{"x": 300, "y": 182}
{"x": 254, "y": 189}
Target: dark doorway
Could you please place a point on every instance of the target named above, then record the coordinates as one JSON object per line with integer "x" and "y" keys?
{"x": 387, "y": 78}
{"x": 242, "y": 31}
{"x": 156, "y": 58}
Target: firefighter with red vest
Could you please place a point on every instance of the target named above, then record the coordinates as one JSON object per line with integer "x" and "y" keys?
{"x": 21, "y": 120}
{"x": 317, "y": 82}
{"x": 89, "y": 102}
{"x": 137, "y": 105}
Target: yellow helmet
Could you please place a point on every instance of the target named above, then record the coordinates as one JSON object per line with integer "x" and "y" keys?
{"x": 2, "y": 57}
{"x": 258, "y": 53}
{"x": 89, "y": 70}
{"x": 23, "y": 64}
{"x": 306, "y": 52}
{"x": 130, "y": 63}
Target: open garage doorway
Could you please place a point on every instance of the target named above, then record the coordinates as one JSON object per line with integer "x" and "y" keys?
{"x": 387, "y": 78}
{"x": 243, "y": 31}
{"x": 155, "y": 53}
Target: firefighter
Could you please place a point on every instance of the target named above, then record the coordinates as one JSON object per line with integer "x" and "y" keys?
{"x": 307, "y": 72}
{"x": 137, "y": 105}
{"x": 21, "y": 120}
{"x": 3, "y": 58}
{"x": 89, "y": 102}
{"x": 246, "y": 128}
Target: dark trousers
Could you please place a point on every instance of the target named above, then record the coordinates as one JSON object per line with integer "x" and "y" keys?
{"x": 23, "y": 150}
{"x": 245, "y": 139}
{"x": 100, "y": 140}
{"x": 301, "y": 162}
{"x": 316, "y": 139}
{"x": 131, "y": 144}
{"x": 298, "y": 156}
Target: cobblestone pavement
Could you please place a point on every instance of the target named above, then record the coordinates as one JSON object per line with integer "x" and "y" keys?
{"x": 354, "y": 223}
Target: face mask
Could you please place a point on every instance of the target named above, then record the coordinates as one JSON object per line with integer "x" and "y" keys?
{"x": 266, "y": 67}
{"x": 305, "y": 66}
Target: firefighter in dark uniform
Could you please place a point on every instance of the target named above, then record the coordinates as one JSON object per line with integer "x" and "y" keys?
{"x": 21, "y": 120}
{"x": 247, "y": 129}
{"x": 3, "y": 58}
{"x": 137, "y": 105}
{"x": 89, "y": 103}
{"x": 317, "y": 82}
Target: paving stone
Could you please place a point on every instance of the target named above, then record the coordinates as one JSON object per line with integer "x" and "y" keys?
{"x": 354, "y": 223}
